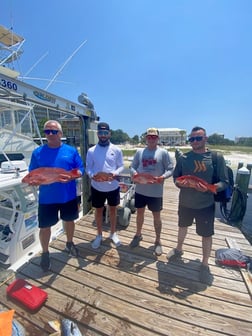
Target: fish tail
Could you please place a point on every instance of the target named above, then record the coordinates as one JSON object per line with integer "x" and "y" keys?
{"x": 212, "y": 188}
{"x": 75, "y": 172}
{"x": 25, "y": 179}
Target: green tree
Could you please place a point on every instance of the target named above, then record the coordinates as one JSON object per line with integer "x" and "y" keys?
{"x": 119, "y": 137}
{"x": 182, "y": 136}
{"x": 41, "y": 126}
{"x": 135, "y": 140}
{"x": 216, "y": 139}
{"x": 142, "y": 138}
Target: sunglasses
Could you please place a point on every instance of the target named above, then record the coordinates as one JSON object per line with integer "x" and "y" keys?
{"x": 54, "y": 132}
{"x": 196, "y": 138}
{"x": 103, "y": 132}
{"x": 152, "y": 136}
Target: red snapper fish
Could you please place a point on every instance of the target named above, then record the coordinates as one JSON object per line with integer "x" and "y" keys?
{"x": 144, "y": 178}
{"x": 191, "y": 181}
{"x": 103, "y": 177}
{"x": 48, "y": 175}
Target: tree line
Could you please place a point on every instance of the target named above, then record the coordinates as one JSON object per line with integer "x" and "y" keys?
{"x": 120, "y": 137}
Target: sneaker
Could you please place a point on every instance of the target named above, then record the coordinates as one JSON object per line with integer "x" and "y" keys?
{"x": 71, "y": 249}
{"x": 135, "y": 241}
{"x": 158, "y": 249}
{"x": 204, "y": 275}
{"x": 174, "y": 255}
{"x": 45, "y": 262}
{"x": 115, "y": 239}
{"x": 97, "y": 242}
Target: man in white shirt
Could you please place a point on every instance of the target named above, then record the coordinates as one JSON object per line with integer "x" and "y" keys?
{"x": 104, "y": 163}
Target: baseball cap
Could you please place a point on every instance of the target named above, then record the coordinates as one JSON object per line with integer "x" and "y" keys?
{"x": 103, "y": 126}
{"x": 152, "y": 131}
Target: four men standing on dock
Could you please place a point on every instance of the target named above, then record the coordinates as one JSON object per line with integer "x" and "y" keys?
{"x": 150, "y": 167}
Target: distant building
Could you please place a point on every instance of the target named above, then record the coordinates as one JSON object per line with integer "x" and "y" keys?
{"x": 71, "y": 129}
{"x": 241, "y": 139}
{"x": 172, "y": 136}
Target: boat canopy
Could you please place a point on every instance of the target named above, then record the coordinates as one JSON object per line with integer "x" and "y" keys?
{"x": 9, "y": 38}
{"x": 10, "y": 45}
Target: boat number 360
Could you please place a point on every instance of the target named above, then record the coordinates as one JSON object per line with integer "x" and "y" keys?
{"x": 9, "y": 85}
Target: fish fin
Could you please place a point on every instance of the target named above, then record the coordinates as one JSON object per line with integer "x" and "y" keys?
{"x": 76, "y": 173}
{"x": 213, "y": 188}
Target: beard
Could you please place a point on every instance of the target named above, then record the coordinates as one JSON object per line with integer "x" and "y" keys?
{"x": 103, "y": 143}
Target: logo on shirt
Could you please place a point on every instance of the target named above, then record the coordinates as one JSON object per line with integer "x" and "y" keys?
{"x": 199, "y": 166}
{"x": 149, "y": 162}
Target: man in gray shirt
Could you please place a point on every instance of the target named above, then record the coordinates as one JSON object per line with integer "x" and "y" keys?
{"x": 197, "y": 202}
{"x": 156, "y": 162}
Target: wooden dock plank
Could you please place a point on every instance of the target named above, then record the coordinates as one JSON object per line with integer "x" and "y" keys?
{"x": 100, "y": 295}
{"x": 127, "y": 291}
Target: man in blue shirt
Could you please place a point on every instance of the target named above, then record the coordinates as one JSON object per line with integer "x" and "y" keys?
{"x": 58, "y": 197}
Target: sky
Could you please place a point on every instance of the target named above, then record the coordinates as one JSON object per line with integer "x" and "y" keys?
{"x": 145, "y": 63}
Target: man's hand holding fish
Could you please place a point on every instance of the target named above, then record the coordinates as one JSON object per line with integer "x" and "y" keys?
{"x": 48, "y": 175}
{"x": 103, "y": 177}
{"x": 64, "y": 178}
{"x": 159, "y": 179}
{"x": 143, "y": 178}
{"x": 191, "y": 181}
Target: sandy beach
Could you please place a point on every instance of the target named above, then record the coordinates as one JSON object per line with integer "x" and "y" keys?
{"x": 235, "y": 158}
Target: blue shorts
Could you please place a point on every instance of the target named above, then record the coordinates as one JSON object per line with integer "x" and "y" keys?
{"x": 99, "y": 197}
{"x": 154, "y": 204}
{"x": 48, "y": 214}
{"x": 204, "y": 219}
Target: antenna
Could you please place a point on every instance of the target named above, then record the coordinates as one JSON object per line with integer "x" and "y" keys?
{"x": 62, "y": 67}
{"x": 39, "y": 78}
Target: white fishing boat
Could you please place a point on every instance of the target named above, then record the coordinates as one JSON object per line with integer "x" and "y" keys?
{"x": 22, "y": 108}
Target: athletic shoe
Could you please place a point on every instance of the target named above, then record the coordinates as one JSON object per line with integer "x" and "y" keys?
{"x": 71, "y": 249}
{"x": 45, "y": 262}
{"x": 174, "y": 255}
{"x": 115, "y": 239}
{"x": 135, "y": 241}
{"x": 158, "y": 249}
{"x": 97, "y": 242}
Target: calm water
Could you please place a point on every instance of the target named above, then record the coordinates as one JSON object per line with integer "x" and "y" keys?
{"x": 246, "y": 227}
{"x": 247, "y": 221}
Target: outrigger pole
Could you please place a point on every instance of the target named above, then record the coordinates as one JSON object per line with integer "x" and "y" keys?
{"x": 34, "y": 65}
{"x": 62, "y": 67}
